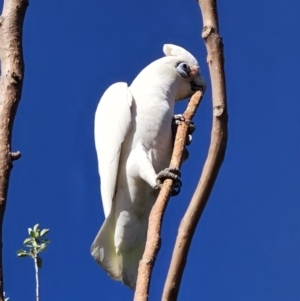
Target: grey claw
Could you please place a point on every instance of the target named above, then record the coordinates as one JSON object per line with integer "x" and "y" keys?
{"x": 189, "y": 139}
{"x": 178, "y": 118}
{"x": 192, "y": 127}
{"x": 191, "y": 130}
{"x": 169, "y": 173}
{"x": 185, "y": 155}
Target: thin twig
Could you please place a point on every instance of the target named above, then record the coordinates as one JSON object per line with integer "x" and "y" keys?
{"x": 215, "y": 60}
{"x": 37, "y": 280}
{"x": 157, "y": 212}
{"x": 12, "y": 69}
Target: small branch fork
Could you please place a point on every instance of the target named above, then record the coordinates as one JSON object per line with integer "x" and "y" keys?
{"x": 157, "y": 212}
{"x": 12, "y": 69}
{"x": 216, "y": 153}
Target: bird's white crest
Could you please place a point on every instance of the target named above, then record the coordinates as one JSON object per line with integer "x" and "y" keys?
{"x": 174, "y": 50}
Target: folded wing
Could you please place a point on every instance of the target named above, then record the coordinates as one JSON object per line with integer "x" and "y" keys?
{"x": 112, "y": 122}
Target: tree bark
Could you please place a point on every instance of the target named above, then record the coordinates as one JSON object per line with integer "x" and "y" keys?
{"x": 157, "y": 212}
{"x": 12, "y": 69}
{"x": 216, "y": 153}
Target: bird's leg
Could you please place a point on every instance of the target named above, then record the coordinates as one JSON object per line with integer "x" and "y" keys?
{"x": 177, "y": 119}
{"x": 169, "y": 173}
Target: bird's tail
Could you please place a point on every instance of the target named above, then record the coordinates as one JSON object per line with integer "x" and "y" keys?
{"x": 119, "y": 264}
{"x": 103, "y": 248}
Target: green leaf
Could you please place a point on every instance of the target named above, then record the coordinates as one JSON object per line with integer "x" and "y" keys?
{"x": 32, "y": 234}
{"x": 35, "y": 234}
{"x": 39, "y": 262}
{"x": 43, "y": 247}
{"x": 46, "y": 241}
{"x": 36, "y": 228}
{"x": 44, "y": 232}
{"x": 28, "y": 241}
{"x": 21, "y": 250}
{"x": 29, "y": 230}
{"x": 22, "y": 253}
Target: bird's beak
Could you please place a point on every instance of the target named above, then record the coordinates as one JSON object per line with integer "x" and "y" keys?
{"x": 194, "y": 71}
{"x": 197, "y": 82}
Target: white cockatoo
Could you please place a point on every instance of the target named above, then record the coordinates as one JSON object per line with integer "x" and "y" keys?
{"x": 133, "y": 137}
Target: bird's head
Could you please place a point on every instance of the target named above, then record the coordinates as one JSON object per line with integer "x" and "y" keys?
{"x": 185, "y": 69}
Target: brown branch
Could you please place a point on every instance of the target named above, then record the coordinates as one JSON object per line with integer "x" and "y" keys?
{"x": 157, "y": 212}
{"x": 12, "y": 68}
{"x": 215, "y": 60}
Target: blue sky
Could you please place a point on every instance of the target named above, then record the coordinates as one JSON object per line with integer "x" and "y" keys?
{"x": 247, "y": 244}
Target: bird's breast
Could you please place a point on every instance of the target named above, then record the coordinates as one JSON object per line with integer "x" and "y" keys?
{"x": 153, "y": 129}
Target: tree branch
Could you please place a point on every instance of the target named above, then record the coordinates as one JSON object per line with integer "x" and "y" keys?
{"x": 12, "y": 68}
{"x": 215, "y": 60}
{"x": 157, "y": 212}
{"x": 37, "y": 280}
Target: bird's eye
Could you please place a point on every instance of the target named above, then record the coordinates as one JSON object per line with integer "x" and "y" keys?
{"x": 184, "y": 66}
{"x": 183, "y": 69}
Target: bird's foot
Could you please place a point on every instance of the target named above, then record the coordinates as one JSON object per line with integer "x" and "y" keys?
{"x": 177, "y": 119}
{"x": 169, "y": 173}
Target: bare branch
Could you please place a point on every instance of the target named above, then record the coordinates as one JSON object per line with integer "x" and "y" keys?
{"x": 157, "y": 212}
{"x": 216, "y": 152}
{"x": 37, "y": 280}
{"x": 12, "y": 68}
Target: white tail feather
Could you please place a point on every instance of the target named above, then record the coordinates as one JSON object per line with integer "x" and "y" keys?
{"x": 103, "y": 248}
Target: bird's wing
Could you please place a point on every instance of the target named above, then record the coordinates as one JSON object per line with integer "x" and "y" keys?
{"x": 112, "y": 122}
